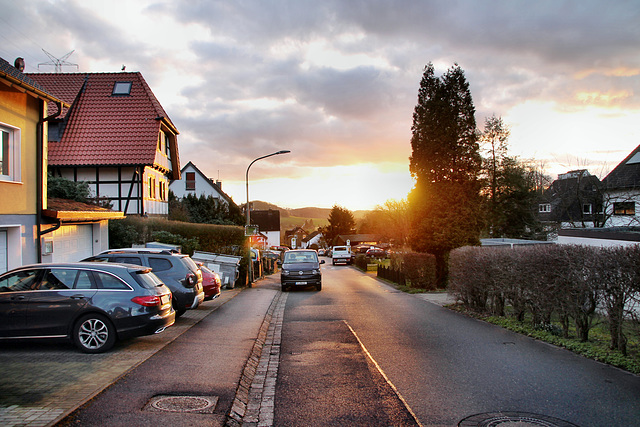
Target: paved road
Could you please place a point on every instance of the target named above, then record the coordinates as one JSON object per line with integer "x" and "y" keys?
{"x": 449, "y": 367}
{"x": 339, "y": 357}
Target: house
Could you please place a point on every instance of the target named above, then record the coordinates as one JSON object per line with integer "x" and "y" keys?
{"x": 115, "y": 136}
{"x": 193, "y": 181}
{"x": 313, "y": 240}
{"x": 32, "y": 228}
{"x": 573, "y": 200}
{"x": 622, "y": 192}
{"x": 268, "y": 222}
{"x": 358, "y": 239}
{"x": 293, "y": 238}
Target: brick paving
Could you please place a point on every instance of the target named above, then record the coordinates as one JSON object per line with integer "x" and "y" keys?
{"x": 42, "y": 383}
{"x": 255, "y": 398}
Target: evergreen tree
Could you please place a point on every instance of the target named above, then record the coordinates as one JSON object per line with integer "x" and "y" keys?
{"x": 341, "y": 221}
{"x": 445, "y": 162}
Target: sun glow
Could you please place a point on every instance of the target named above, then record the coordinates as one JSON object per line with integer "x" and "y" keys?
{"x": 361, "y": 186}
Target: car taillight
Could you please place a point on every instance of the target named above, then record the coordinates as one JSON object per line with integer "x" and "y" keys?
{"x": 191, "y": 280}
{"x": 147, "y": 301}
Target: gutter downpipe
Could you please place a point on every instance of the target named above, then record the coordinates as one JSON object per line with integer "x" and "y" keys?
{"x": 40, "y": 178}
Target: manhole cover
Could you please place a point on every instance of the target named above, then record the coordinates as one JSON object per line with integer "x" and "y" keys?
{"x": 513, "y": 419}
{"x": 195, "y": 404}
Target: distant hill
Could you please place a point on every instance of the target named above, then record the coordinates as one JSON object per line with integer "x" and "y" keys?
{"x": 311, "y": 217}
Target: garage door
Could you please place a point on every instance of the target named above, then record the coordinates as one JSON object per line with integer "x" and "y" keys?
{"x": 72, "y": 243}
{"x": 3, "y": 251}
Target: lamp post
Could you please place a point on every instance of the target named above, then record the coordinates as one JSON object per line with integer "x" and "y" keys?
{"x": 248, "y": 208}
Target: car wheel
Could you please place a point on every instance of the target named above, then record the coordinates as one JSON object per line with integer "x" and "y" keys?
{"x": 285, "y": 288}
{"x": 319, "y": 287}
{"x": 94, "y": 333}
{"x": 333, "y": 262}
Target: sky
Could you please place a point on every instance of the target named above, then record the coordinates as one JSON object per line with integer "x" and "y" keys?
{"x": 336, "y": 81}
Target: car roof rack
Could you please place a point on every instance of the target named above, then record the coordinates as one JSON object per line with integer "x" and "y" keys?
{"x": 141, "y": 251}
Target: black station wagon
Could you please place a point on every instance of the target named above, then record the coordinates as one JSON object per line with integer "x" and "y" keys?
{"x": 92, "y": 304}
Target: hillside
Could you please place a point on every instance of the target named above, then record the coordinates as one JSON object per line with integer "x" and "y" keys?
{"x": 309, "y": 218}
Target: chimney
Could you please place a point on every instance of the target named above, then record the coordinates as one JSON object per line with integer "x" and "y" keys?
{"x": 219, "y": 184}
{"x": 19, "y": 64}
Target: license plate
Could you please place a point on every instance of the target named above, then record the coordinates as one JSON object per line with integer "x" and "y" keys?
{"x": 164, "y": 299}
{"x": 301, "y": 283}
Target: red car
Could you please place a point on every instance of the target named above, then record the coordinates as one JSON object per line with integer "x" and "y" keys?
{"x": 210, "y": 282}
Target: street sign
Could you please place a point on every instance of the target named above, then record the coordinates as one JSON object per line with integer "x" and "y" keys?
{"x": 251, "y": 230}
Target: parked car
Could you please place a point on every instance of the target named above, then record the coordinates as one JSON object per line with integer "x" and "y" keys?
{"x": 178, "y": 271}
{"x": 210, "y": 282}
{"x": 301, "y": 268}
{"x": 92, "y": 304}
{"x": 376, "y": 253}
{"x": 341, "y": 254}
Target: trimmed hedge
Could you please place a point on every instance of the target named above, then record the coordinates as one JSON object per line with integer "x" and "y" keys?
{"x": 572, "y": 283}
{"x": 223, "y": 239}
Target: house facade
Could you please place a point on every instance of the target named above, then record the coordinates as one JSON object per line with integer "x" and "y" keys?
{"x": 34, "y": 228}
{"x": 23, "y": 128}
{"x": 193, "y": 181}
{"x": 268, "y": 222}
{"x": 116, "y": 137}
{"x": 622, "y": 192}
{"x": 574, "y": 200}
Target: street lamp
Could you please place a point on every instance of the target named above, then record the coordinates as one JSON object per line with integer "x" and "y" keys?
{"x": 248, "y": 208}
{"x": 247, "y": 179}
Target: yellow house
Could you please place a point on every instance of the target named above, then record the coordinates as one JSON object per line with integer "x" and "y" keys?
{"x": 23, "y": 128}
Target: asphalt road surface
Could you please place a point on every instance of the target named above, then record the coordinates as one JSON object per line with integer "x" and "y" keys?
{"x": 447, "y": 366}
{"x": 361, "y": 353}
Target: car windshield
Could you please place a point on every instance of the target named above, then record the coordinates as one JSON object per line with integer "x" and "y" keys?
{"x": 300, "y": 257}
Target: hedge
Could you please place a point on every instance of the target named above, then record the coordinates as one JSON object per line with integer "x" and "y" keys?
{"x": 224, "y": 239}
{"x": 575, "y": 283}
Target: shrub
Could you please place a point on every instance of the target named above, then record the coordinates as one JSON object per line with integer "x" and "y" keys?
{"x": 226, "y": 239}
{"x": 420, "y": 270}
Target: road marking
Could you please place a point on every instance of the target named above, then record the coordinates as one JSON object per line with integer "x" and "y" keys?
{"x": 393, "y": 387}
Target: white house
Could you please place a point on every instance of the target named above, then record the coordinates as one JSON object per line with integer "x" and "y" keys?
{"x": 193, "y": 181}
{"x": 622, "y": 192}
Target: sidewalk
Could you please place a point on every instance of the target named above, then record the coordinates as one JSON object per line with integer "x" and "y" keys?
{"x": 41, "y": 383}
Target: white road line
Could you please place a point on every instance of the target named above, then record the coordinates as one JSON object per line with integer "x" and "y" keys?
{"x": 393, "y": 387}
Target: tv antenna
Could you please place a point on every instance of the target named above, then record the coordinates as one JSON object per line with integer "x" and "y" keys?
{"x": 58, "y": 63}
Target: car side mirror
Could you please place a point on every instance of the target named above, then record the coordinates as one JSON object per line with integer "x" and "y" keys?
{"x": 279, "y": 263}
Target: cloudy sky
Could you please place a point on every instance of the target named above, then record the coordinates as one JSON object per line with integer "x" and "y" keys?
{"x": 336, "y": 81}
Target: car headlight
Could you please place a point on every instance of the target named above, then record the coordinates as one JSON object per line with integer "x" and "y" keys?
{"x": 285, "y": 272}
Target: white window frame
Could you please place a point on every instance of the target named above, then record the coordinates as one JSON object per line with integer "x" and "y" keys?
{"x": 15, "y": 145}
{"x": 544, "y": 207}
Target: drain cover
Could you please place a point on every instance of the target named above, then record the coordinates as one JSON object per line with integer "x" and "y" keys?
{"x": 512, "y": 419}
{"x": 193, "y": 404}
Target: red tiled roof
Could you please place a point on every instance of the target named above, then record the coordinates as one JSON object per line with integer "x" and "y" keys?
{"x": 101, "y": 128}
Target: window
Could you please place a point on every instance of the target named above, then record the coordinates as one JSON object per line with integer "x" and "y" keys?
{"x": 544, "y": 208}
{"x": 9, "y": 154}
{"x": 23, "y": 280}
{"x": 108, "y": 281}
{"x": 152, "y": 187}
{"x": 624, "y": 208}
{"x": 121, "y": 88}
{"x": 128, "y": 260}
{"x": 587, "y": 209}
{"x": 160, "y": 264}
{"x": 191, "y": 180}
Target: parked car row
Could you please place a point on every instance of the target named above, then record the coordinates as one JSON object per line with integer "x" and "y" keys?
{"x": 117, "y": 294}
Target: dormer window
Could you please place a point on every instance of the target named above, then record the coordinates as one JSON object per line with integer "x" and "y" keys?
{"x": 121, "y": 88}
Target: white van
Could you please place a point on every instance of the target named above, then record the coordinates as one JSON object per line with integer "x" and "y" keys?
{"x": 341, "y": 254}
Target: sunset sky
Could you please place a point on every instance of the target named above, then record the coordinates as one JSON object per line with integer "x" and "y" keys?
{"x": 336, "y": 81}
